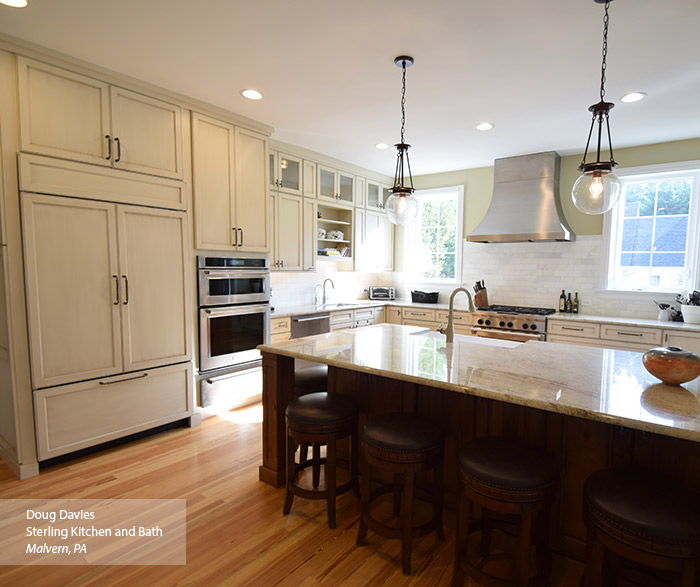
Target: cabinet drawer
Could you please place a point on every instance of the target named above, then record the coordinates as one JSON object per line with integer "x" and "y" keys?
{"x": 419, "y": 314}
{"x": 458, "y": 317}
{"x": 364, "y": 322}
{"x": 280, "y": 337}
{"x": 280, "y": 325}
{"x": 71, "y": 417}
{"x": 364, "y": 313}
{"x": 341, "y": 317}
{"x": 566, "y": 328}
{"x": 341, "y": 326}
{"x": 633, "y": 334}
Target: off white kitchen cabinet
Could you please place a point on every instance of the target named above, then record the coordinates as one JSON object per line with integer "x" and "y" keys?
{"x": 288, "y": 224}
{"x": 689, "y": 341}
{"x": 376, "y": 195}
{"x": 286, "y": 172}
{"x": 309, "y": 234}
{"x": 106, "y": 287}
{"x": 337, "y": 220}
{"x": 69, "y": 115}
{"x": 393, "y": 315}
{"x": 379, "y": 237}
{"x": 337, "y": 185}
{"x": 310, "y": 178}
{"x": 229, "y": 167}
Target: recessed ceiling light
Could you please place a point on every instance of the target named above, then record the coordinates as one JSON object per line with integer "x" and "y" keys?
{"x": 14, "y": 3}
{"x": 484, "y": 126}
{"x": 381, "y": 146}
{"x": 633, "y": 97}
{"x": 251, "y": 94}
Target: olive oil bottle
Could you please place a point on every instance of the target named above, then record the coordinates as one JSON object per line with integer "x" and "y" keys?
{"x": 562, "y": 302}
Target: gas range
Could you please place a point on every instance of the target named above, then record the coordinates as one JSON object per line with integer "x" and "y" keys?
{"x": 517, "y": 323}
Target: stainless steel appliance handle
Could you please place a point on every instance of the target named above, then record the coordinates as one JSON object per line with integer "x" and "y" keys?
{"x": 234, "y": 310}
{"x": 230, "y": 273}
{"x": 506, "y": 335}
{"x": 324, "y": 317}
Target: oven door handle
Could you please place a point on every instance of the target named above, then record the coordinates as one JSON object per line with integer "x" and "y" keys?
{"x": 232, "y": 273}
{"x": 506, "y": 335}
{"x": 236, "y": 310}
{"x": 309, "y": 318}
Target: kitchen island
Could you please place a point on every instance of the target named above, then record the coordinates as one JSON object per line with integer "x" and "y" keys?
{"x": 589, "y": 407}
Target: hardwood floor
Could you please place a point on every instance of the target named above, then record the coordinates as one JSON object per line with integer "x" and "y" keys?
{"x": 236, "y": 533}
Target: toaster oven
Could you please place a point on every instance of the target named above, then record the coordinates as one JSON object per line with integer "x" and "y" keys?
{"x": 382, "y": 293}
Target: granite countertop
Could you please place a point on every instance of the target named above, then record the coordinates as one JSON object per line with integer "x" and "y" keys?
{"x": 626, "y": 321}
{"x": 298, "y": 310}
{"x": 606, "y": 385}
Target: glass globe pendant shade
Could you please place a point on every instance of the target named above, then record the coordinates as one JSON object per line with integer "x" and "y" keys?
{"x": 401, "y": 208}
{"x": 596, "y": 191}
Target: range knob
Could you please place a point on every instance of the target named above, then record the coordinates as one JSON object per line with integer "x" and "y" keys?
{"x": 533, "y": 327}
{"x": 487, "y": 322}
{"x": 480, "y": 321}
{"x": 525, "y": 327}
{"x": 501, "y": 323}
{"x": 510, "y": 325}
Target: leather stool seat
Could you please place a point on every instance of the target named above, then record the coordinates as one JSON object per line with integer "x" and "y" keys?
{"x": 320, "y": 419}
{"x": 509, "y": 478}
{"x": 311, "y": 379}
{"x": 403, "y": 444}
{"x": 641, "y": 516}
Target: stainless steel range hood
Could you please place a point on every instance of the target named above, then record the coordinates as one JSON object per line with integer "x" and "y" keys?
{"x": 524, "y": 203}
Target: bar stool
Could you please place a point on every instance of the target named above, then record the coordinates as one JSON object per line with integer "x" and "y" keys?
{"x": 310, "y": 379}
{"x": 320, "y": 419}
{"x": 504, "y": 477}
{"x": 403, "y": 444}
{"x": 642, "y": 517}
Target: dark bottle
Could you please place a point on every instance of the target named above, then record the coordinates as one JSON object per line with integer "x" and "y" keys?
{"x": 562, "y": 302}
{"x": 574, "y": 308}
{"x": 569, "y": 303}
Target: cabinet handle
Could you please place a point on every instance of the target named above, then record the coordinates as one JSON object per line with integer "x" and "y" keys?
{"x": 574, "y": 329}
{"x": 119, "y": 150}
{"x": 123, "y": 380}
{"x": 109, "y": 147}
{"x": 126, "y": 289}
{"x": 241, "y": 243}
{"x": 282, "y": 261}
{"x": 116, "y": 288}
{"x": 235, "y": 236}
{"x": 621, "y": 333}
{"x": 666, "y": 337}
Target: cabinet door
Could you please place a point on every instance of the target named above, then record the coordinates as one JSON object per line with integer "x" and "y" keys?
{"x": 62, "y": 114}
{"x": 147, "y": 134}
{"x": 290, "y": 173}
{"x": 327, "y": 183}
{"x": 73, "y": 292}
{"x": 346, "y": 188}
{"x": 363, "y": 253}
{"x": 309, "y": 234}
{"x": 309, "y": 179}
{"x": 360, "y": 192}
{"x": 685, "y": 340}
{"x": 154, "y": 269}
{"x": 213, "y": 183}
{"x": 288, "y": 232}
{"x": 251, "y": 221}
{"x": 374, "y": 195}
{"x": 386, "y": 252}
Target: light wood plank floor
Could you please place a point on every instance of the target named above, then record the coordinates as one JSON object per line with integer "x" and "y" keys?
{"x": 236, "y": 533}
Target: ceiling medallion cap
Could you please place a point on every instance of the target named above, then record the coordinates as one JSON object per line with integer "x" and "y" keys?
{"x": 402, "y": 60}
{"x": 600, "y": 166}
{"x": 601, "y": 107}
{"x": 401, "y": 191}
{"x": 402, "y": 146}
{"x": 601, "y": 1}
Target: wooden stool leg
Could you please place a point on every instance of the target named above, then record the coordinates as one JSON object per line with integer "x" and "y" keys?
{"x": 486, "y": 530}
{"x": 397, "y": 494}
{"x": 366, "y": 485}
{"x": 407, "y": 521}
{"x": 688, "y": 574}
{"x": 461, "y": 536}
{"x": 354, "y": 469}
{"x": 437, "y": 501}
{"x": 523, "y": 553}
{"x": 542, "y": 552}
{"x": 316, "y": 467}
{"x": 291, "y": 474}
{"x": 593, "y": 574}
{"x": 330, "y": 479}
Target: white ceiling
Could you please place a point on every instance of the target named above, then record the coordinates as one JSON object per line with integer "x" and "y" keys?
{"x": 326, "y": 68}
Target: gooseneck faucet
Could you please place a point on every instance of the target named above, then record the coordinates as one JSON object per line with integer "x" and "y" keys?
{"x": 449, "y": 330}
{"x": 324, "y": 289}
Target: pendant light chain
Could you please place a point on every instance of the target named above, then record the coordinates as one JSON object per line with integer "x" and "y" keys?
{"x": 606, "y": 20}
{"x": 403, "y": 101}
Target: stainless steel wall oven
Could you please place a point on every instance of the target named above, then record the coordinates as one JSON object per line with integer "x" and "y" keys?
{"x": 234, "y": 310}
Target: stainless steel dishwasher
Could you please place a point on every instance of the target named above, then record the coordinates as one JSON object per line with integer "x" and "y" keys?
{"x": 310, "y": 324}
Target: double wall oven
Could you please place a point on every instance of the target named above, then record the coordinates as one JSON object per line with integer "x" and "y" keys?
{"x": 234, "y": 311}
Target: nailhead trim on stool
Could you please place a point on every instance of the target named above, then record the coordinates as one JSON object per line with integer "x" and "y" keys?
{"x": 505, "y": 477}
{"x": 403, "y": 444}
{"x": 318, "y": 419}
{"x": 644, "y": 517}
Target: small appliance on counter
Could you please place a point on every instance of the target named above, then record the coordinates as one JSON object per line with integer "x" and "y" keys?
{"x": 381, "y": 292}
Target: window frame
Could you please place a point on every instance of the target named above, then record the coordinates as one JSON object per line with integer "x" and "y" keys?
{"x": 410, "y": 230}
{"x": 612, "y": 226}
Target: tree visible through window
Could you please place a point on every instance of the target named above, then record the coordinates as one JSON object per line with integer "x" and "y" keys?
{"x": 433, "y": 245}
{"x": 653, "y": 233}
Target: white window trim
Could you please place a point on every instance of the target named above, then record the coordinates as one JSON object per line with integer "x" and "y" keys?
{"x": 611, "y": 216}
{"x": 409, "y": 230}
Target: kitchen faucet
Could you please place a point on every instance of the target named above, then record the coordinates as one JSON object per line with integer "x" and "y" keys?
{"x": 317, "y": 295}
{"x": 324, "y": 289}
{"x": 449, "y": 330}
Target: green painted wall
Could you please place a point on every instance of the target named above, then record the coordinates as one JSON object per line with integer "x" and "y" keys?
{"x": 478, "y": 183}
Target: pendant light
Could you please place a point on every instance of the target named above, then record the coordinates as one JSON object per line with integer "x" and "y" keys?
{"x": 401, "y": 207}
{"x": 598, "y": 189}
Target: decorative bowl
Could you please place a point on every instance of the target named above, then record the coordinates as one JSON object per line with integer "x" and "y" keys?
{"x": 672, "y": 364}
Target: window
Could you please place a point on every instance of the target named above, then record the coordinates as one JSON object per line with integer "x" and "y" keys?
{"x": 433, "y": 245}
{"x": 653, "y": 230}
